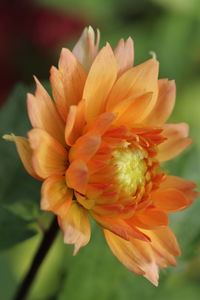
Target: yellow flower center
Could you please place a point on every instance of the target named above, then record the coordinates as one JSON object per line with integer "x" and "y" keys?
{"x": 130, "y": 169}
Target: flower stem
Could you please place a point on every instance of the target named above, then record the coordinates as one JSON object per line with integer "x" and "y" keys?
{"x": 39, "y": 257}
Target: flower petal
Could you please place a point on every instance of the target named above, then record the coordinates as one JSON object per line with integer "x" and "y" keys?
{"x": 169, "y": 200}
{"x": 85, "y": 202}
{"x": 101, "y": 124}
{"x": 131, "y": 111}
{"x": 164, "y": 245}
{"x": 99, "y": 82}
{"x": 136, "y": 255}
{"x": 58, "y": 92}
{"x": 75, "y": 123}
{"x": 124, "y": 53}
{"x": 25, "y": 152}
{"x": 136, "y": 81}
{"x": 147, "y": 257}
{"x": 85, "y": 147}
{"x": 164, "y": 105}
{"x": 72, "y": 77}
{"x": 49, "y": 157}
{"x": 176, "y": 142}
{"x": 55, "y": 193}
{"x": 76, "y": 226}
{"x": 147, "y": 260}
{"x": 151, "y": 218}
{"x": 165, "y": 238}
{"x": 77, "y": 176}
{"x": 185, "y": 186}
{"x": 71, "y": 118}
{"x": 123, "y": 251}
{"x": 120, "y": 227}
{"x": 43, "y": 114}
{"x": 86, "y": 48}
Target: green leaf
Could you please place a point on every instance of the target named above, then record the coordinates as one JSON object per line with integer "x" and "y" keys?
{"x": 16, "y": 185}
{"x": 13, "y": 119}
{"x": 25, "y": 209}
{"x": 12, "y": 229}
{"x": 19, "y": 192}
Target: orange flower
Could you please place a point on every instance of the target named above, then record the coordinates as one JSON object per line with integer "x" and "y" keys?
{"x": 98, "y": 146}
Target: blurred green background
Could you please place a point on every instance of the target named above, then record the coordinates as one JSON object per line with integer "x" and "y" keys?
{"x": 34, "y": 32}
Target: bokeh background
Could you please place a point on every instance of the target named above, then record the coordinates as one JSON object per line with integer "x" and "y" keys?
{"x": 31, "y": 36}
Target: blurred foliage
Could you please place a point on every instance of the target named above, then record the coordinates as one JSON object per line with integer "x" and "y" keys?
{"x": 16, "y": 199}
{"x": 171, "y": 28}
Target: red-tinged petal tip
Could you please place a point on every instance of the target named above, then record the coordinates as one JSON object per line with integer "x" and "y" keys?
{"x": 152, "y": 273}
{"x": 76, "y": 226}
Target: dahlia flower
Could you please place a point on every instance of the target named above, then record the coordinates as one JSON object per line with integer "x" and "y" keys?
{"x": 98, "y": 144}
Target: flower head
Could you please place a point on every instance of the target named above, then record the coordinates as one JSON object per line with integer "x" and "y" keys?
{"x": 98, "y": 146}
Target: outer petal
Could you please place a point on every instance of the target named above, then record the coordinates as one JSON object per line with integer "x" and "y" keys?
{"x": 55, "y": 193}
{"x": 76, "y": 226}
{"x": 164, "y": 245}
{"x": 123, "y": 251}
{"x": 25, "y": 152}
{"x": 43, "y": 114}
{"x": 185, "y": 186}
{"x": 120, "y": 227}
{"x": 99, "y": 82}
{"x": 136, "y": 81}
{"x": 137, "y": 256}
{"x": 49, "y": 157}
{"x": 170, "y": 200}
{"x": 72, "y": 77}
{"x": 86, "y": 48}
{"x": 124, "y": 53}
{"x": 147, "y": 257}
{"x": 176, "y": 142}
{"x": 148, "y": 260}
{"x": 77, "y": 176}
{"x": 58, "y": 92}
{"x": 164, "y": 105}
{"x": 165, "y": 238}
{"x": 151, "y": 218}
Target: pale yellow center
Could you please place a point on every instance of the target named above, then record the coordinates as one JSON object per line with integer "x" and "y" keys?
{"x": 130, "y": 169}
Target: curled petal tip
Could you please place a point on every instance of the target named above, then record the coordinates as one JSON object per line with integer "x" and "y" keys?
{"x": 87, "y": 47}
{"x": 130, "y": 39}
{"x": 153, "y": 54}
{"x": 89, "y": 29}
{"x": 36, "y": 80}
{"x": 155, "y": 283}
{"x": 153, "y": 278}
{"x": 8, "y": 137}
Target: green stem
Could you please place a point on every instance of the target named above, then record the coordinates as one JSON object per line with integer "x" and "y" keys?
{"x": 39, "y": 257}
